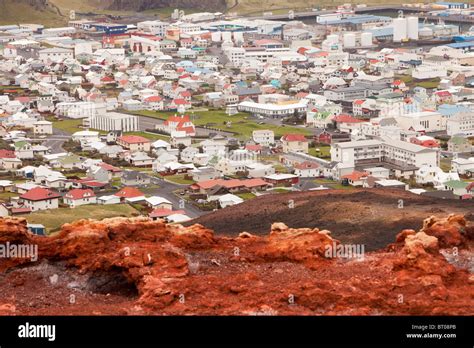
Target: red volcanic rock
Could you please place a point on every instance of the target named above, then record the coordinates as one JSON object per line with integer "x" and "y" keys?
{"x": 149, "y": 267}
{"x": 402, "y": 235}
{"x": 301, "y": 245}
{"x": 451, "y": 231}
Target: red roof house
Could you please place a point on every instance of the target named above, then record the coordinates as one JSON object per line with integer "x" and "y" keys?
{"x": 129, "y": 192}
{"x": 40, "y": 198}
{"x": 77, "y": 197}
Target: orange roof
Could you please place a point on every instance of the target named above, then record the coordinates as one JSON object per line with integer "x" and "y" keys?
{"x": 307, "y": 165}
{"x": 133, "y": 139}
{"x": 355, "y": 175}
{"x": 346, "y": 119}
{"x": 294, "y": 137}
{"x": 129, "y": 192}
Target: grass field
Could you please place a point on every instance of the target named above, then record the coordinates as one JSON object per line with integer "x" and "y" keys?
{"x": 150, "y": 136}
{"x": 239, "y": 123}
{"x": 70, "y": 126}
{"x": 178, "y": 179}
{"x": 5, "y": 196}
{"x": 18, "y": 11}
{"x": 428, "y": 84}
{"x": 55, "y": 218}
{"x": 246, "y": 196}
{"x": 324, "y": 151}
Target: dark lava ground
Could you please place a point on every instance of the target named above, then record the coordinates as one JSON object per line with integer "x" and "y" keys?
{"x": 370, "y": 217}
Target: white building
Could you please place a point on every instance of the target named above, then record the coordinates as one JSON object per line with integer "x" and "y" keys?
{"x": 114, "y": 121}
{"x": 43, "y": 128}
{"x": 77, "y": 197}
{"x": 429, "y": 121}
{"x": 263, "y": 137}
{"x": 403, "y": 157}
{"x": 153, "y": 27}
{"x": 464, "y": 166}
{"x": 80, "y": 109}
{"x": 55, "y": 54}
{"x": 462, "y": 123}
{"x": 273, "y": 110}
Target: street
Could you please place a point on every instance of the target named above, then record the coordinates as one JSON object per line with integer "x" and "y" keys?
{"x": 55, "y": 142}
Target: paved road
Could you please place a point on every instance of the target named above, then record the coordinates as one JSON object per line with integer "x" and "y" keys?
{"x": 56, "y": 140}
{"x": 166, "y": 190}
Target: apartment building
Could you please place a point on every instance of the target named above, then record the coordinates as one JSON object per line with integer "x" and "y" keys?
{"x": 263, "y": 137}
{"x": 153, "y": 27}
{"x": 401, "y": 157}
{"x": 428, "y": 121}
{"x": 462, "y": 123}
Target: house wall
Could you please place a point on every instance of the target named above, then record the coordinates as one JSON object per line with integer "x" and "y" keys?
{"x": 78, "y": 202}
{"x": 42, "y": 205}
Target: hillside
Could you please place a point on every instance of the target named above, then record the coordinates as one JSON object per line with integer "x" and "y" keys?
{"x": 137, "y": 266}
{"x": 371, "y": 217}
{"x": 30, "y": 11}
{"x": 56, "y": 12}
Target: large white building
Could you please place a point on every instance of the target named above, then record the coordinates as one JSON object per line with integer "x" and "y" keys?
{"x": 153, "y": 27}
{"x": 79, "y": 109}
{"x": 273, "y": 110}
{"x": 55, "y": 54}
{"x": 462, "y": 123}
{"x": 402, "y": 157}
{"x": 429, "y": 121}
{"x": 114, "y": 121}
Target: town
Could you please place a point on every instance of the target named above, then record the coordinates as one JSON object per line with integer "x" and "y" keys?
{"x": 174, "y": 118}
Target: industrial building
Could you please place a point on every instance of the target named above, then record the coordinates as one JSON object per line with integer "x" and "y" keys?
{"x": 114, "y": 121}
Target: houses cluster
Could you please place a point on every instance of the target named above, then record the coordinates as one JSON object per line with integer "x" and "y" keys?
{"x": 97, "y": 112}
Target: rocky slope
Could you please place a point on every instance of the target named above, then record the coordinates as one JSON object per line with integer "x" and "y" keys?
{"x": 142, "y": 5}
{"x": 372, "y": 217}
{"x": 139, "y": 266}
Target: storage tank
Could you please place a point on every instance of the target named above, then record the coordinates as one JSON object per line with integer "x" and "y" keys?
{"x": 238, "y": 36}
{"x": 333, "y": 38}
{"x": 412, "y": 28}
{"x": 349, "y": 40}
{"x": 399, "y": 29}
{"x": 366, "y": 39}
{"x": 216, "y": 36}
{"x": 226, "y": 36}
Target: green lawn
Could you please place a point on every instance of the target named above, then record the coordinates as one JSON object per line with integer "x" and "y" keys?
{"x": 280, "y": 168}
{"x": 55, "y": 218}
{"x": 246, "y": 196}
{"x": 324, "y": 151}
{"x": 445, "y": 164}
{"x": 150, "y": 136}
{"x": 179, "y": 179}
{"x": 70, "y": 126}
{"x": 239, "y": 123}
{"x": 5, "y": 196}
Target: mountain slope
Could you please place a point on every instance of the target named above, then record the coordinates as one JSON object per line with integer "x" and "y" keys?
{"x": 23, "y": 11}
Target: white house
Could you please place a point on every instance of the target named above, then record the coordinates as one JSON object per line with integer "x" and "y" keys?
{"x": 43, "y": 128}
{"x": 39, "y": 198}
{"x": 77, "y": 197}
{"x": 263, "y": 137}
{"x": 158, "y": 202}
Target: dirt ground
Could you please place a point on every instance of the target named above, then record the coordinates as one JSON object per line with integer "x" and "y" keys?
{"x": 360, "y": 216}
